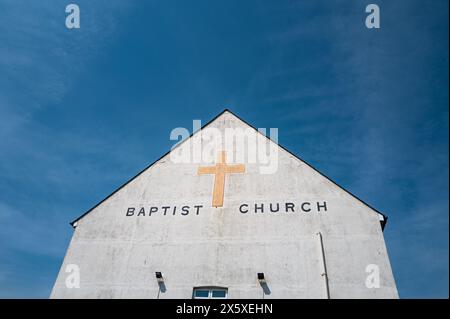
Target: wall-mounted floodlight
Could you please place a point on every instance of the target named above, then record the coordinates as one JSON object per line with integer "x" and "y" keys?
{"x": 159, "y": 276}
{"x": 261, "y": 278}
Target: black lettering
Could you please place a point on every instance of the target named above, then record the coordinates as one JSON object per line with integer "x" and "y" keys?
{"x": 198, "y": 208}
{"x": 306, "y": 209}
{"x": 242, "y": 211}
{"x": 185, "y": 210}
{"x": 259, "y": 208}
{"x": 290, "y": 206}
{"x": 274, "y": 211}
{"x": 324, "y": 205}
{"x": 141, "y": 212}
{"x": 165, "y": 208}
{"x": 152, "y": 210}
{"x": 130, "y": 211}
{"x": 174, "y": 210}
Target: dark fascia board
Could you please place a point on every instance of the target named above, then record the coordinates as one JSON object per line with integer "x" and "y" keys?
{"x": 383, "y": 222}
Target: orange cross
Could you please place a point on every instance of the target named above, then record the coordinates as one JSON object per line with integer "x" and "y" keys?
{"x": 219, "y": 170}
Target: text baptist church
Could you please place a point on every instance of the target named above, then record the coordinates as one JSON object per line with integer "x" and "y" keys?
{"x": 224, "y": 230}
{"x": 185, "y": 210}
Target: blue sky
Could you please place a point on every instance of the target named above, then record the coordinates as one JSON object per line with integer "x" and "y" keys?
{"x": 82, "y": 111}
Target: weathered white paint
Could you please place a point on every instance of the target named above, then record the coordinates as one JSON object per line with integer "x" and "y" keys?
{"x": 118, "y": 255}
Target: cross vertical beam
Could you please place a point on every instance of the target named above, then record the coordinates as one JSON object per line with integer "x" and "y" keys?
{"x": 220, "y": 170}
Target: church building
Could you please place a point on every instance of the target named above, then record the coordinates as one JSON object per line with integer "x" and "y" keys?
{"x": 228, "y": 213}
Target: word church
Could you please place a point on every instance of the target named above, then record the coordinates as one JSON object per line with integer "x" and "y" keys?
{"x": 223, "y": 229}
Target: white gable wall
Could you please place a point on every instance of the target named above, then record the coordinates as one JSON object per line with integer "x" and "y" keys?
{"x": 119, "y": 255}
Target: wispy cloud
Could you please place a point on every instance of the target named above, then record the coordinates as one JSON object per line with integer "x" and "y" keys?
{"x": 370, "y": 95}
{"x": 366, "y": 107}
{"x": 40, "y": 62}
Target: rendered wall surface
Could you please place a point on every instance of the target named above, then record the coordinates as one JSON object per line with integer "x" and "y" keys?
{"x": 118, "y": 255}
